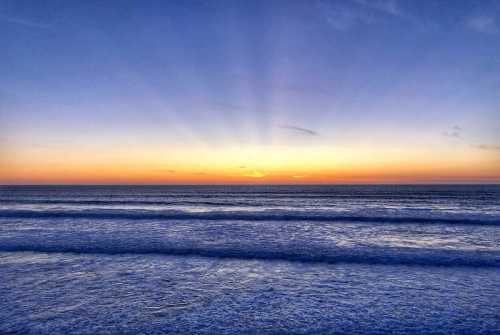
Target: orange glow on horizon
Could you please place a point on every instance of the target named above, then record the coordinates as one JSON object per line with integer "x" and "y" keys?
{"x": 124, "y": 175}
{"x": 253, "y": 165}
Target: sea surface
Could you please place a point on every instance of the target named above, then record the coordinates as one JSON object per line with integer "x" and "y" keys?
{"x": 250, "y": 259}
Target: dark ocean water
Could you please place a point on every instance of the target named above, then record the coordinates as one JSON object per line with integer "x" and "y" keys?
{"x": 250, "y": 259}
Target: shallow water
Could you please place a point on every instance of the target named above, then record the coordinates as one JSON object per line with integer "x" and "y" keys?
{"x": 261, "y": 259}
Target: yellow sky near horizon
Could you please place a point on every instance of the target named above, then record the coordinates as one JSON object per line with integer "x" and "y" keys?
{"x": 249, "y": 165}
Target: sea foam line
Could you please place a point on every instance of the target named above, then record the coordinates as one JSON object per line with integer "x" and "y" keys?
{"x": 267, "y": 215}
{"x": 439, "y": 258}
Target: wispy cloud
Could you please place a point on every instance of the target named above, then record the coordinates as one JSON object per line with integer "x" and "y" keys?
{"x": 345, "y": 15}
{"x": 227, "y": 106}
{"x": 390, "y": 7}
{"x": 301, "y": 130}
{"x": 482, "y": 24}
{"x": 342, "y": 17}
{"x": 302, "y": 89}
{"x": 165, "y": 171}
{"x": 23, "y": 22}
{"x": 494, "y": 147}
{"x": 455, "y": 132}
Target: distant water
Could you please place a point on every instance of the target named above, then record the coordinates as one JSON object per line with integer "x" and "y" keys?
{"x": 250, "y": 259}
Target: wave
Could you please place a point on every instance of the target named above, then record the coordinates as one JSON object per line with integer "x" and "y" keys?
{"x": 270, "y": 195}
{"x": 266, "y": 215}
{"x": 228, "y": 203}
{"x": 369, "y": 256}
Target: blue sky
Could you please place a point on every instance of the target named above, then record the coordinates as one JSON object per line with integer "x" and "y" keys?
{"x": 217, "y": 74}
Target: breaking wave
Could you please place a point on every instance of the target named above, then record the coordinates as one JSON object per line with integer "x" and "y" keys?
{"x": 375, "y": 256}
{"x": 265, "y": 215}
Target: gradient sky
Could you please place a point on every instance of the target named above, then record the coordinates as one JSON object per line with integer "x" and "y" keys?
{"x": 249, "y": 91}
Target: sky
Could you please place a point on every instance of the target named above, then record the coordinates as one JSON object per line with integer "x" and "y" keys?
{"x": 237, "y": 92}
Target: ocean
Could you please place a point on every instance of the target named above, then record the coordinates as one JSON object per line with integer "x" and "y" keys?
{"x": 396, "y": 259}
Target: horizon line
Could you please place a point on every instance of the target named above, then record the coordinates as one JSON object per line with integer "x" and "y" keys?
{"x": 275, "y": 184}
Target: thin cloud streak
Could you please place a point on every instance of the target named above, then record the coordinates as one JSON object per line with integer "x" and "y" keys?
{"x": 389, "y": 7}
{"x": 482, "y": 24}
{"x": 493, "y": 147}
{"x": 342, "y": 17}
{"x": 455, "y": 132}
{"x": 345, "y": 15}
{"x": 23, "y": 22}
{"x": 301, "y": 130}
